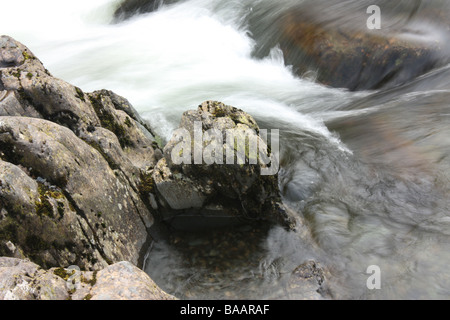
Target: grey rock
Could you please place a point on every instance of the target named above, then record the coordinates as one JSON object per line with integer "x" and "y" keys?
{"x": 12, "y": 105}
{"x": 101, "y": 199}
{"x": 24, "y": 280}
{"x": 179, "y": 192}
{"x": 123, "y": 281}
{"x": 239, "y": 189}
{"x": 15, "y": 279}
{"x": 80, "y": 158}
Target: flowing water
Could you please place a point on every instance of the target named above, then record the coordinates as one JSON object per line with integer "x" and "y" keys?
{"x": 367, "y": 173}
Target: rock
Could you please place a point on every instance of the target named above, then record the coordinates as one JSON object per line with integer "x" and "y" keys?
{"x": 123, "y": 281}
{"x": 179, "y": 192}
{"x": 72, "y": 168}
{"x": 15, "y": 279}
{"x": 308, "y": 282}
{"x": 24, "y": 280}
{"x": 117, "y": 115}
{"x": 101, "y": 200}
{"x": 35, "y": 88}
{"x": 329, "y": 41}
{"x": 228, "y": 189}
{"x": 353, "y": 60}
{"x": 130, "y": 8}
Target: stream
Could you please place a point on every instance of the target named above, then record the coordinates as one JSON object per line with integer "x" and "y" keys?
{"x": 367, "y": 173}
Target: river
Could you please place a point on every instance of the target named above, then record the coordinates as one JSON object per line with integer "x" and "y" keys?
{"x": 367, "y": 173}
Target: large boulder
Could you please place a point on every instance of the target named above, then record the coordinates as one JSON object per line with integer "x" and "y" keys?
{"x": 71, "y": 170}
{"x": 198, "y": 177}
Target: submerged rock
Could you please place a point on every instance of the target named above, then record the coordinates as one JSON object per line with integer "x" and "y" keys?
{"x": 357, "y": 60}
{"x": 205, "y": 182}
{"x": 130, "y": 8}
{"x": 329, "y": 41}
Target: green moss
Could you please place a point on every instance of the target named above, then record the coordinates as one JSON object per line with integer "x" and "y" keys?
{"x": 108, "y": 121}
{"x": 146, "y": 185}
{"x": 219, "y": 110}
{"x": 94, "y": 279}
{"x": 80, "y": 94}
{"x": 88, "y": 297}
{"x": 27, "y": 55}
{"x": 17, "y": 74}
{"x": 43, "y": 206}
{"x": 128, "y": 122}
{"x": 62, "y": 273}
{"x": 91, "y": 282}
{"x": 72, "y": 291}
{"x": 29, "y": 75}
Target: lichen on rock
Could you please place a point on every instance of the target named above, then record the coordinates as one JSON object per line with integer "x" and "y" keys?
{"x": 81, "y": 153}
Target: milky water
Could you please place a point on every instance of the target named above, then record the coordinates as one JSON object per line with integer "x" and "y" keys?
{"x": 365, "y": 172}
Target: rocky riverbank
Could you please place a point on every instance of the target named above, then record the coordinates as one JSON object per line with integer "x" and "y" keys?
{"x": 83, "y": 178}
{"x": 71, "y": 168}
{"x": 25, "y": 280}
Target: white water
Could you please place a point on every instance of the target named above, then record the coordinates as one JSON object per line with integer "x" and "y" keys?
{"x": 172, "y": 60}
{"x": 169, "y": 61}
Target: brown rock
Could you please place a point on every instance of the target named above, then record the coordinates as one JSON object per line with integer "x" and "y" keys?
{"x": 354, "y": 59}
